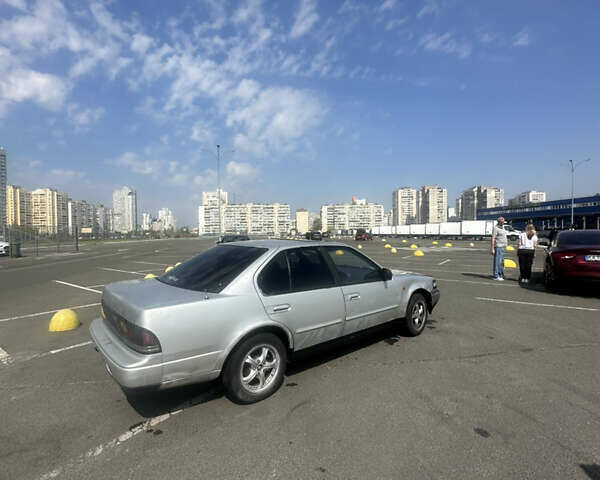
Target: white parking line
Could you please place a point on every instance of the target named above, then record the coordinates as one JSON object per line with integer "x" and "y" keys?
{"x": 115, "y": 442}
{"x": 445, "y": 261}
{"x": 536, "y": 304}
{"x": 77, "y": 286}
{"x": 95, "y": 286}
{"x": 46, "y": 313}
{"x": 497, "y": 284}
{"x": 122, "y": 271}
{"x": 4, "y": 357}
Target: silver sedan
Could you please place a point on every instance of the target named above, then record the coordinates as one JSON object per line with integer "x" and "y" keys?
{"x": 238, "y": 310}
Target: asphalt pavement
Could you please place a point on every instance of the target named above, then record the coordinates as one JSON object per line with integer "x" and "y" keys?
{"x": 503, "y": 383}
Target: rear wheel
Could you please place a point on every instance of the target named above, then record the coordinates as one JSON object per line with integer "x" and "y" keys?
{"x": 255, "y": 368}
{"x": 550, "y": 281}
{"x": 416, "y": 315}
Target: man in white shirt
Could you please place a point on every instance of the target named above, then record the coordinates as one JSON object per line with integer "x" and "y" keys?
{"x": 499, "y": 242}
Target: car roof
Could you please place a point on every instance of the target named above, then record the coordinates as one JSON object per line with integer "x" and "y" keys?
{"x": 277, "y": 244}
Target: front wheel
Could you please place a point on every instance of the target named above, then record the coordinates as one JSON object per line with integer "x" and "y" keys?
{"x": 255, "y": 368}
{"x": 416, "y": 315}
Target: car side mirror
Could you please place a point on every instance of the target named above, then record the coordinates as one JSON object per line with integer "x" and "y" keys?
{"x": 386, "y": 274}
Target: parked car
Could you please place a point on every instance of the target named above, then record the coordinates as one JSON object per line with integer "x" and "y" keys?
{"x": 572, "y": 255}
{"x": 314, "y": 235}
{"x": 237, "y": 311}
{"x": 233, "y": 238}
{"x": 4, "y": 248}
{"x": 362, "y": 235}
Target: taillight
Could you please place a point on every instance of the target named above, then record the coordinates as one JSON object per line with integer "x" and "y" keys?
{"x": 135, "y": 337}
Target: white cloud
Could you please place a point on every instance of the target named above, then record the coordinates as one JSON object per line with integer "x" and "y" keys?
{"x": 84, "y": 118}
{"x": 445, "y": 43}
{"x": 487, "y": 37}
{"x": 395, "y": 23}
{"x": 107, "y": 22}
{"x": 521, "y": 39}
{"x": 21, "y": 84}
{"x": 387, "y": 5}
{"x": 430, "y": 8}
{"x": 305, "y": 18}
{"x": 141, "y": 43}
{"x": 275, "y": 120}
{"x": 65, "y": 174}
{"x": 132, "y": 161}
{"x": 208, "y": 179}
{"x": 201, "y": 133}
{"x": 237, "y": 170}
{"x": 18, "y": 4}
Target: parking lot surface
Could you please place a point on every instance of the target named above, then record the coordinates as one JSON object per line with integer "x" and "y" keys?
{"x": 503, "y": 383}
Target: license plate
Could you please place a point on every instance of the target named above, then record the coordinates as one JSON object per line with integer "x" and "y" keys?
{"x": 592, "y": 258}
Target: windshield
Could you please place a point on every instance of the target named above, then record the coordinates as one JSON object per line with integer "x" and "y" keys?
{"x": 573, "y": 238}
{"x": 212, "y": 270}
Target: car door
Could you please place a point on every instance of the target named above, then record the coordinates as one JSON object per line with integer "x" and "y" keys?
{"x": 368, "y": 298}
{"x": 298, "y": 289}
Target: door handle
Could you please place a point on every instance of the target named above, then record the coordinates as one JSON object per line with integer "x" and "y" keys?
{"x": 281, "y": 308}
{"x": 354, "y": 296}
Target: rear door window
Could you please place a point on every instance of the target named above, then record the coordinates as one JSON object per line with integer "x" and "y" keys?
{"x": 352, "y": 267}
{"x": 274, "y": 279}
{"x": 308, "y": 269}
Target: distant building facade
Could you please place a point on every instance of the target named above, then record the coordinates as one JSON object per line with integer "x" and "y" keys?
{"x": 351, "y": 216}
{"x": 165, "y": 217}
{"x": 480, "y": 197}
{"x": 302, "y": 221}
{"x": 49, "y": 211}
{"x": 525, "y": 198}
{"x": 434, "y": 204}
{"x": 18, "y": 206}
{"x": 249, "y": 218}
{"x": 3, "y": 177}
{"x": 404, "y": 206}
{"x": 125, "y": 210}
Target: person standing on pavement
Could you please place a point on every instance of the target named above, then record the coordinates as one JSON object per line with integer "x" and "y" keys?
{"x": 499, "y": 242}
{"x": 527, "y": 244}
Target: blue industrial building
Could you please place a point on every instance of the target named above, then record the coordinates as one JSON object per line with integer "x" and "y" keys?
{"x": 549, "y": 215}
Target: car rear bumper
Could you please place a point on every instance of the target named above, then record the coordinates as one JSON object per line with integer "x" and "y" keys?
{"x": 128, "y": 368}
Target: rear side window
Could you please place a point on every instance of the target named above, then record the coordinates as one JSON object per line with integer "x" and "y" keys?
{"x": 308, "y": 269}
{"x": 352, "y": 267}
{"x": 213, "y": 270}
{"x": 275, "y": 277}
{"x": 575, "y": 237}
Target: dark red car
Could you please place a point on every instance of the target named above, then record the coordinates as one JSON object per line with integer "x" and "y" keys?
{"x": 573, "y": 255}
{"x": 362, "y": 235}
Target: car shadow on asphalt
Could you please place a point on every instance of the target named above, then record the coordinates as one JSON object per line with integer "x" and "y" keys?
{"x": 150, "y": 404}
{"x": 389, "y": 333}
{"x": 536, "y": 283}
{"x": 592, "y": 471}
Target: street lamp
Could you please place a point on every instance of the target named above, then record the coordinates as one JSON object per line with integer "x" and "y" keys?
{"x": 218, "y": 156}
{"x": 573, "y": 167}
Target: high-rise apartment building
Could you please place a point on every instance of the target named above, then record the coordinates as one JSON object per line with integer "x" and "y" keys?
{"x": 434, "y": 207}
{"x": 404, "y": 206}
{"x": 146, "y": 221}
{"x": 49, "y": 211}
{"x": 478, "y": 197}
{"x": 104, "y": 220}
{"x": 250, "y": 218}
{"x": 18, "y": 206}
{"x": 165, "y": 217}
{"x": 302, "y": 224}
{"x": 125, "y": 210}
{"x": 526, "y": 198}
{"x": 351, "y": 216}
{"x": 459, "y": 208}
{"x": 3, "y": 177}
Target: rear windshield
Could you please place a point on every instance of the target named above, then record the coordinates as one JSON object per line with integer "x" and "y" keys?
{"x": 575, "y": 237}
{"x": 212, "y": 270}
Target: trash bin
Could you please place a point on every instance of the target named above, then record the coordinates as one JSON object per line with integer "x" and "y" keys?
{"x": 15, "y": 249}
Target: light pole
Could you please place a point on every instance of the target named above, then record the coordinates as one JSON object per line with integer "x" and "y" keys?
{"x": 573, "y": 167}
{"x": 219, "y": 187}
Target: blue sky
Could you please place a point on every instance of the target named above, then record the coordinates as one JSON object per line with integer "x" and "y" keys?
{"x": 312, "y": 101}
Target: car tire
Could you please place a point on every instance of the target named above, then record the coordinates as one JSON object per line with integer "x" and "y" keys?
{"x": 255, "y": 368}
{"x": 416, "y": 315}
